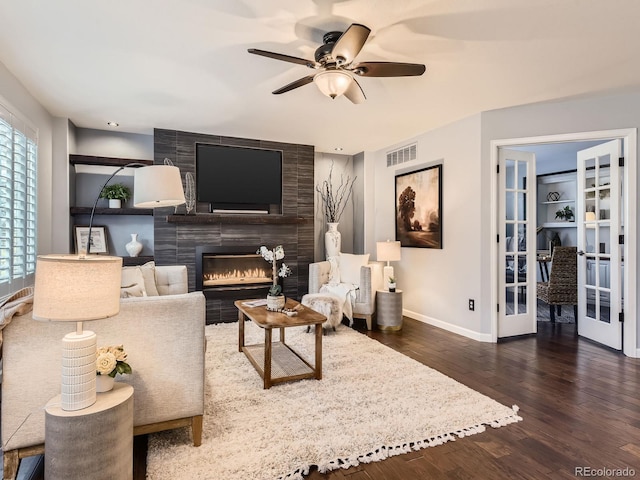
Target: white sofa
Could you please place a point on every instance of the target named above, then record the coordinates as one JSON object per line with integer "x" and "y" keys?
{"x": 163, "y": 336}
{"x": 365, "y": 275}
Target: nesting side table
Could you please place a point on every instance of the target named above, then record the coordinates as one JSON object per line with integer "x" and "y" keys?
{"x": 95, "y": 442}
{"x": 389, "y": 310}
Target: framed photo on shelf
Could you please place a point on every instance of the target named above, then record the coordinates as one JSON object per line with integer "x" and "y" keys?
{"x": 98, "y": 239}
{"x": 419, "y": 208}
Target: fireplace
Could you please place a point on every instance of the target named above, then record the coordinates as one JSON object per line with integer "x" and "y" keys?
{"x": 231, "y": 272}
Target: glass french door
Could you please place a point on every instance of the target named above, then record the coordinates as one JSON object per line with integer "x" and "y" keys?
{"x": 516, "y": 243}
{"x": 600, "y": 253}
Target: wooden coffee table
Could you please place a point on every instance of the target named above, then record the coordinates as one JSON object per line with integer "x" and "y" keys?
{"x": 277, "y": 362}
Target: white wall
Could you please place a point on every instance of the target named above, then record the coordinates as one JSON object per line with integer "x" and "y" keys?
{"x": 111, "y": 143}
{"x": 437, "y": 283}
{"x": 18, "y": 100}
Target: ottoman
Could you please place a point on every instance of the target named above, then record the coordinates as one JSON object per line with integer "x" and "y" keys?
{"x": 328, "y": 305}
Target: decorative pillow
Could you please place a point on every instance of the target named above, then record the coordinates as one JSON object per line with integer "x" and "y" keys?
{"x": 350, "y": 267}
{"x": 149, "y": 274}
{"x": 334, "y": 272}
{"x": 132, "y": 283}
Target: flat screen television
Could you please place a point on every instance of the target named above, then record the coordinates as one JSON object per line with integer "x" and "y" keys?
{"x": 231, "y": 178}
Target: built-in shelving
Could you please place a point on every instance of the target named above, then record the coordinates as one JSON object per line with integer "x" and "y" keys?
{"x": 212, "y": 218}
{"x": 104, "y": 161}
{"x": 132, "y": 261}
{"x": 111, "y": 211}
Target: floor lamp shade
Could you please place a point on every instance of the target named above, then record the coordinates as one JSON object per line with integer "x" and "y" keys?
{"x": 75, "y": 288}
{"x": 157, "y": 186}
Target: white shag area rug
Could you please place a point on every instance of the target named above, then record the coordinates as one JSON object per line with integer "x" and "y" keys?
{"x": 371, "y": 403}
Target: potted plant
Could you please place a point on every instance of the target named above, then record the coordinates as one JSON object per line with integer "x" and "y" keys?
{"x": 116, "y": 194}
{"x": 275, "y": 299}
{"x": 109, "y": 362}
{"x": 392, "y": 284}
{"x": 565, "y": 214}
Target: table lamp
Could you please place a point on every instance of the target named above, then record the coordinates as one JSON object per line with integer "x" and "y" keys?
{"x": 390, "y": 252}
{"x": 77, "y": 288}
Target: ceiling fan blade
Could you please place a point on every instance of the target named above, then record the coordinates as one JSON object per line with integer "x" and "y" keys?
{"x": 355, "y": 92}
{"x": 298, "y": 83}
{"x": 284, "y": 58}
{"x": 350, "y": 43}
{"x": 388, "y": 69}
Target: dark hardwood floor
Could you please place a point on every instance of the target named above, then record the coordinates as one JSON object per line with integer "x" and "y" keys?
{"x": 580, "y": 403}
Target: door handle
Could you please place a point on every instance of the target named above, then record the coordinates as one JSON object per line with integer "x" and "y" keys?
{"x": 581, "y": 253}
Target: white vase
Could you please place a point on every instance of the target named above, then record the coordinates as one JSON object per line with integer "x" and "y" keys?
{"x": 104, "y": 383}
{"x": 275, "y": 302}
{"x": 332, "y": 241}
{"x": 115, "y": 203}
{"x": 134, "y": 247}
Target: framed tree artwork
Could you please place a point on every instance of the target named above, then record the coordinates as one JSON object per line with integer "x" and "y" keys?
{"x": 419, "y": 208}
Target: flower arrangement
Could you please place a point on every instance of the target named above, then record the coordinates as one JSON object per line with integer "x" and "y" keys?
{"x": 334, "y": 201}
{"x": 273, "y": 256}
{"x": 111, "y": 361}
{"x": 565, "y": 213}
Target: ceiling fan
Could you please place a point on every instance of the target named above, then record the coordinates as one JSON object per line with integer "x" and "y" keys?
{"x": 335, "y": 61}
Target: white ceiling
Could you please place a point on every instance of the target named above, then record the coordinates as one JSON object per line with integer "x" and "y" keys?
{"x": 184, "y": 64}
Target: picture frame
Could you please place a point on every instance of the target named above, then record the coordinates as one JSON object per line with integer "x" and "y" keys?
{"x": 418, "y": 208}
{"x": 98, "y": 239}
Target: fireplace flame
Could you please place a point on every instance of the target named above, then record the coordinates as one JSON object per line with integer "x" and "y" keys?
{"x": 236, "y": 276}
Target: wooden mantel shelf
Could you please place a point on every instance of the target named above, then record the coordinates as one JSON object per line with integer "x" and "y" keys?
{"x": 248, "y": 219}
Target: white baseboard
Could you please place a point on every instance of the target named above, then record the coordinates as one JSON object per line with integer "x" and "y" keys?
{"x": 465, "y": 332}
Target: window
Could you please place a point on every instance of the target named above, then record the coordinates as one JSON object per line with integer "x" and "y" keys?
{"x": 18, "y": 160}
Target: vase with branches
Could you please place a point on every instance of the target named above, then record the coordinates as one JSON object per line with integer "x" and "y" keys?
{"x": 334, "y": 200}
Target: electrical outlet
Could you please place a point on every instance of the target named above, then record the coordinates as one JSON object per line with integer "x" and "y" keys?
{"x": 472, "y": 304}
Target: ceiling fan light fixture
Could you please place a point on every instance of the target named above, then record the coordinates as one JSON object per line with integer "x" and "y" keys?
{"x": 333, "y": 83}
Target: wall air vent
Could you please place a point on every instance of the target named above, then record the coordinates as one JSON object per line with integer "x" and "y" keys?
{"x": 404, "y": 154}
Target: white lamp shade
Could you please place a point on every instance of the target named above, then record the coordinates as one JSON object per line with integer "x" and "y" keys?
{"x": 157, "y": 186}
{"x": 388, "y": 251}
{"x": 70, "y": 288}
{"x": 333, "y": 83}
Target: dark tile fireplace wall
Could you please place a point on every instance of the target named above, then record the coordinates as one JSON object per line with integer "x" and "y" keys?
{"x": 176, "y": 237}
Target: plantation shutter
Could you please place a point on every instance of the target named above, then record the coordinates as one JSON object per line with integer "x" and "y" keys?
{"x": 18, "y": 162}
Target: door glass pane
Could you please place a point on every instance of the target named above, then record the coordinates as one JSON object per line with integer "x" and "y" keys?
{"x": 522, "y": 268}
{"x": 605, "y": 308}
{"x": 509, "y": 206}
{"x": 510, "y": 176}
{"x": 522, "y": 237}
{"x": 509, "y": 235}
{"x": 590, "y": 240}
{"x": 522, "y": 300}
{"x": 510, "y": 277}
{"x": 510, "y": 299}
{"x": 604, "y": 161}
{"x": 522, "y": 175}
{"x": 591, "y": 302}
{"x": 604, "y": 247}
{"x": 522, "y": 206}
{"x": 591, "y": 273}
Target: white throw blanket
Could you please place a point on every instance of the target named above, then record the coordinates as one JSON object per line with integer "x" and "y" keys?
{"x": 346, "y": 292}
{"x": 19, "y": 303}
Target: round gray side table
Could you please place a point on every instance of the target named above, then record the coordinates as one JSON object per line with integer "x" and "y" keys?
{"x": 95, "y": 442}
{"x": 389, "y": 310}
